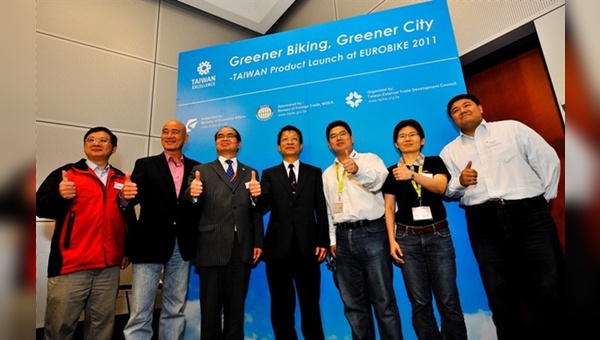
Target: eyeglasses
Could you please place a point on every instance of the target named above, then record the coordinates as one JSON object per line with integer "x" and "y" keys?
{"x": 226, "y": 136}
{"x": 339, "y": 134}
{"x": 102, "y": 141}
{"x": 407, "y": 135}
{"x": 293, "y": 139}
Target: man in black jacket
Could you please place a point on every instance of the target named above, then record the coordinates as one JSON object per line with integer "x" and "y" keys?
{"x": 163, "y": 239}
{"x": 297, "y": 238}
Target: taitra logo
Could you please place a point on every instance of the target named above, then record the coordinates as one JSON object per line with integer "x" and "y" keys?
{"x": 354, "y": 99}
{"x": 264, "y": 112}
{"x": 203, "y": 68}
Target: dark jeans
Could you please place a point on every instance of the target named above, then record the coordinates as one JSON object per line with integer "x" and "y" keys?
{"x": 430, "y": 267}
{"x": 365, "y": 279}
{"x": 522, "y": 268}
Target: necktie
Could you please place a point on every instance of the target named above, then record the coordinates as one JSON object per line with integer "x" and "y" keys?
{"x": 292, "y": 178}
{"x": 229, "y": 170}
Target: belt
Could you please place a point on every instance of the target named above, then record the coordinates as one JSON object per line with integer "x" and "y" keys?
{"x": 500, "y": 202}
{"x": 356, "y": 224}
{"x": 430, "y": 228}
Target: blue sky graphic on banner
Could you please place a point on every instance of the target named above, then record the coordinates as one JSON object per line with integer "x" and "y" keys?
{"x": 371, "y": 71}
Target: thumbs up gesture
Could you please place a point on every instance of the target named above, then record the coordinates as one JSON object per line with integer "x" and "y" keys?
{"x": 254, "y": 185}
{"x": 66, "y": 188}
{"x": 468, "y": 176}
{"x": 196, "y": 185}
{"x": 349, "y": 164}
{"x": 402, "y": 172}
{"x": 129, "y": 189}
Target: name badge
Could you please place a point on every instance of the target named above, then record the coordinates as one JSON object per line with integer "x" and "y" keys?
{"x": 118, "y": 186}
{"x": 338, "y": 207}
{"x": 421, "y": 213}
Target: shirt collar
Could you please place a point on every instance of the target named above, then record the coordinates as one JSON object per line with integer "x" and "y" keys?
{"x": 482, "y": 125}
{"x": 351, "y": 155}
{"x": 296, "y": 164}
{"x": 94, "y": 166}
{"x": 420, "y": 160}
{"x": 169, "y": 158}
{"x": 223, "y": 159}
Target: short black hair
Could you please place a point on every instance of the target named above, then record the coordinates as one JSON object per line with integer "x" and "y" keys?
{"x": 113, "y": 137}
{"x": 289, "y": 128}
{"x": 460, "y": 97}
{"x": 237, "y": 134}
{"x": 336, "y": 123}
{"x": 408, "y": 122}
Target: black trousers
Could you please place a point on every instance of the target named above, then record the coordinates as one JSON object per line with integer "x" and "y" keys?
{"x": 223, "y": 292}
{"x": 286, "y": 278}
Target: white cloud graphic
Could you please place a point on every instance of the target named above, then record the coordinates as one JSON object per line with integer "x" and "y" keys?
{"x": 192, "y": 317}
{"x": 480, "y": 326}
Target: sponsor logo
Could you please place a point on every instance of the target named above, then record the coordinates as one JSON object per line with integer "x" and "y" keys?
{"x": 264, "y": 112}
{"x": 191, "y": 124}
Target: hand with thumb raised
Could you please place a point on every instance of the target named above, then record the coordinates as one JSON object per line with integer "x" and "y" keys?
{"x": 468, "y": 176}
{"x": 349, "y": 164}
{"x": 402, "y": 172}
{"x": 254, "y": 185}
{"x": 129, "y": 190}
{"x": 66, "y": 188}
{"x": 196, "y": 185}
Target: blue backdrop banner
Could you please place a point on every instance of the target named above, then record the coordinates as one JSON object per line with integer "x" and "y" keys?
{"x": 370, "y": 71}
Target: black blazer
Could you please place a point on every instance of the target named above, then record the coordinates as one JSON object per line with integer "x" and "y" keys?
{"x": 163, "y": 216}
{"x": 303, "y": 213}
{"x": 223, "y": 208}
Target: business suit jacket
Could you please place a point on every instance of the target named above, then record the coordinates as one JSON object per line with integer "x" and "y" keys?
{"x": 303, "y": 213}
{"x": 163, "y": 216}
{"x": 223, "y": 208}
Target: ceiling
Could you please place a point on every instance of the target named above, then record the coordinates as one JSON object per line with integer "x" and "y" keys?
{"x": 256, "y": 15}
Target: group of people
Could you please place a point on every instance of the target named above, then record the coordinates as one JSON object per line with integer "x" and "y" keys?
{"x": 365, "y": 215}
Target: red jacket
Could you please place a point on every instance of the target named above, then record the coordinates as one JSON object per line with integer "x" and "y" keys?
{"x": 90, "y": 229}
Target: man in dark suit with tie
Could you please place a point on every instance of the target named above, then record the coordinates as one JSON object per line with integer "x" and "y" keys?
{"x": 163, "y": 239}
{"x": 297, "y": 238}
{"x": 230, "y": 238}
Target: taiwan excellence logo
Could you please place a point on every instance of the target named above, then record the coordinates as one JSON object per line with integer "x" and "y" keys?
{"x": 203, "y": 68}
{"x": 264, "y": 112}
{"x": 354, "y": 99}
{"x": 205, "y": 79}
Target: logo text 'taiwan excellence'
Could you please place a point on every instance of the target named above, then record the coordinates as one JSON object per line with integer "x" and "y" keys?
{"x": 206, "y": 80}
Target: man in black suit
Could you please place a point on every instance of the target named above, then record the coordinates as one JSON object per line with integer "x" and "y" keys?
{"x": 297, "y": 238}
{"x": 230, "y": 238}
{"x": 163, "y": 239}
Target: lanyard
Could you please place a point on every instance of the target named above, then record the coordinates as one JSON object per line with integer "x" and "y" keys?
{"x": 340, "y": 180}
{"x": 415, "y": 185}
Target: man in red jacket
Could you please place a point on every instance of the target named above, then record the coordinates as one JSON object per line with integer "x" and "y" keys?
{"x": 88, "y": 243}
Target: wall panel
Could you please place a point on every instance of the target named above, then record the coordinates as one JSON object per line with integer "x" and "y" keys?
{"x": 82, "y": 85}
{"x": 127, "y": 27}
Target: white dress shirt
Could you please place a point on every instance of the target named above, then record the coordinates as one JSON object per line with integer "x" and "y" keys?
{"x": 296, "y": 168}
{"x": 101, "y": 173}
{"x": 511, "y": 159}
{"x": 360, "y": 194}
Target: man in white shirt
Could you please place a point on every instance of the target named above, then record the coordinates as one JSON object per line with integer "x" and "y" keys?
{"x": 504, "y": 174}
{"x": 358, "y": 236}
